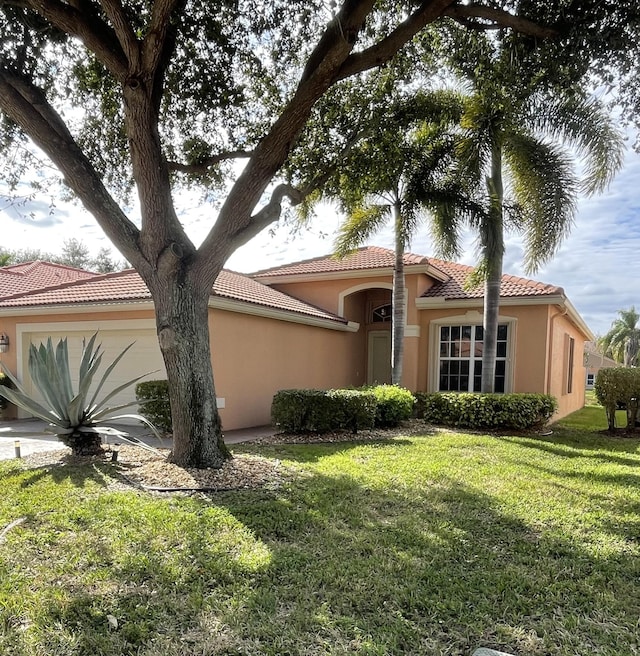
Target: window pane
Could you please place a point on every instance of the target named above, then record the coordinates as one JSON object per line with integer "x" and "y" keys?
{"x": 464, "y": 367}
{"x": 500, "y": 367}
{"x": 499, "y": 385}
{"x": 455, "y": 349}
{"x": 454, "y": 384}
{"x": 444, "y": 334}
{"x": 455, "y": 332}
{"x": 502, "y": 350}
{"x": 477, "y": 383}
{"x": 479, "y": 333}
{"x": 502, "y": 331}
{"x": 464, "y": 383}
{"x": 444, "y": 383}
{"x": 454, "y": 367}
{"x": 444, "y": 366}
{"x": 444, "y": 350}
{"x": 466, "y": 332}
{"x": 478, "y": 348}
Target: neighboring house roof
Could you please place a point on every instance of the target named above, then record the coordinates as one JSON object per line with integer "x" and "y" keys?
{"x": 127, "y": 285}
{"x": 27, "y": 276}
{"x": 595, "y": 359}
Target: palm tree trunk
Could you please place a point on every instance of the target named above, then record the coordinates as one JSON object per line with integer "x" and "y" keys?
{"x": 399, "y": 305}
{"x": 493, "y": 248}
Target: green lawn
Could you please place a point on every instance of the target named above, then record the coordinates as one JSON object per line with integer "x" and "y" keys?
{"x": 425, "y": 545}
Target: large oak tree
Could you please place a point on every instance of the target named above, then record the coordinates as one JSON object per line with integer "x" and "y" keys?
{"x": 144, "y": 95}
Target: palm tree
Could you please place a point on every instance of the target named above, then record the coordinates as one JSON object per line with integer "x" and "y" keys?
{"x": 515, "y": 145}
{"x": 402, "y": 173}
{"x": 622, "y": 342}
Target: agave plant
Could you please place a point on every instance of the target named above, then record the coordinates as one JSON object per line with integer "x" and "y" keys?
{"x": 78, "y": 419}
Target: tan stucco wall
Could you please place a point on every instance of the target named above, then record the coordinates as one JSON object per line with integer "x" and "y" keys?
{"x": 326, "y": 293}
{"x": 254, "y": 357}
{"x": 560, "y": 329}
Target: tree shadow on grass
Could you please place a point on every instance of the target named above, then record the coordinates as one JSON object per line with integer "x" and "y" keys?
{"x": 310, "y": 452}
{"x": 570, "y": 448}
{"x": 329, "y": 565}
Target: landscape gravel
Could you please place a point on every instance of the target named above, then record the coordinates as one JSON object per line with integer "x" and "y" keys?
{"x": 143, "y": 469}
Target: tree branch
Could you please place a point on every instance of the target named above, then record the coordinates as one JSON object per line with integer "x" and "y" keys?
{"x": 386, "y": 48}
{"x": 86, "y": 26}
{"x": 204, "y": 165}
{"x": 27, "y": 106}
{"x": 429, "y": 12}
{"x": 126, "y": 37}
{"x": 498, "y": 19}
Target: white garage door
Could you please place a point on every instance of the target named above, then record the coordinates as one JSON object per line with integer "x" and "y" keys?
{"x": 143, "y": 357}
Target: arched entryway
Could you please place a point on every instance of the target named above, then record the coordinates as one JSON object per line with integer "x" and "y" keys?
{"x": 370, "y": 306}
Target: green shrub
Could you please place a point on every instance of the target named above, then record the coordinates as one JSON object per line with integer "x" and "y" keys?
{"x": 323, "y": 411}
{"x": 618, "y": 385}
{"x": 395, "y": 404}
{"x": 486, "y": 411}
{"x": 153, "y": 398}
{"x": 5, "y": 381}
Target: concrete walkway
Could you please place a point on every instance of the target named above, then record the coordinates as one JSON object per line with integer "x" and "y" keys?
{"x": 41, "y": 441}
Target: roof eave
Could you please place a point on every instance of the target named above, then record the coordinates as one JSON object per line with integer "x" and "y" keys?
{"x": 246, "y": 307}
{"x": 440, "y": 302}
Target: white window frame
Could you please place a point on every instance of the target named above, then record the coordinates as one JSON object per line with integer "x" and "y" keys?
{"x": 471, "y": 318}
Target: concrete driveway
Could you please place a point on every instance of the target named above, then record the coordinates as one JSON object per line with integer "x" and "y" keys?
{"x": 43, "y": 442}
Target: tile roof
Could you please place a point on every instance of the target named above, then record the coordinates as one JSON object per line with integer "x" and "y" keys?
{"x": 511, "y": 286}
{"x": 242, "y": 288}
{"x": 374, "y": 257}
{"x": 368, "y": 257}
{"x": 27, "y": 276}
{"x": 128, "y": 286}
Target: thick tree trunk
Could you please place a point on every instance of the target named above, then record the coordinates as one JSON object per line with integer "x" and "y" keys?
{"x": 493, "y": 246}
{"x": 183, "y": 334}
{"x": 399, "y": 305}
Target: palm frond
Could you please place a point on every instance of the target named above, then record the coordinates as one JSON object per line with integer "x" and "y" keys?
{"x": 546, "y": 192}
{"x": 583, "y": 123}
{"x": 359, "y": 226}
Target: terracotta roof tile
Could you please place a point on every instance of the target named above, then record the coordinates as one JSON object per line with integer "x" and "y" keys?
{"x": 368, "y": 257}
{"x": 27, "y": 276}
{"x": 454, "y": 287}
{"x": 128, "y": 286}
{"x": 240, "y": 287}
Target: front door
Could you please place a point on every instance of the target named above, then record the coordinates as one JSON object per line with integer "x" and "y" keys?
{"x": 379, "y": 369}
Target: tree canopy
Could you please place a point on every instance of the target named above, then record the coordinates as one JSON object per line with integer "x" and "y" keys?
{"x": 145, "y": 95}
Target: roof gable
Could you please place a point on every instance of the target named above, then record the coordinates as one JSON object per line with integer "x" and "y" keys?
{"x": 511, "y": 286}
{"x": 368, "y": 257}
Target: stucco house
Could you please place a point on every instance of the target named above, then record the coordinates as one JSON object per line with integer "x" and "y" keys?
{"x": 594, "y": 360}
{"x": 319, "y": 323}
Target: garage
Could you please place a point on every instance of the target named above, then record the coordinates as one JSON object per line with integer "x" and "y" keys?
{"x": 114, "y": 336}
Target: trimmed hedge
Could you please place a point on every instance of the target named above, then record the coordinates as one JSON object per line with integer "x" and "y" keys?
{"x": 395, "y": 404}
{"x": 323, "y": 411}
{"x": 153, "y": 398}
{"x": 618, "y": 385}
{"x": 482, "y": 411}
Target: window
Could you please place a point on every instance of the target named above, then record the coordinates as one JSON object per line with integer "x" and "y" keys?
{"x": 570, "y": 349}
{"x": 591, "y": 379}
{"x": 382, "y": 313}
{"x": 460, "y": 358}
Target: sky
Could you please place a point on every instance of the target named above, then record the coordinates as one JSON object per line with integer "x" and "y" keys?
{"x": 598, "y": 265}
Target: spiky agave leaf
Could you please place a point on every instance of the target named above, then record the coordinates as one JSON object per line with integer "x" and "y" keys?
{"x": 70, "y": 414}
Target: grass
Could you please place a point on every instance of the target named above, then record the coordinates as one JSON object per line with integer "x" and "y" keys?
{"x": 427, "y": 545}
